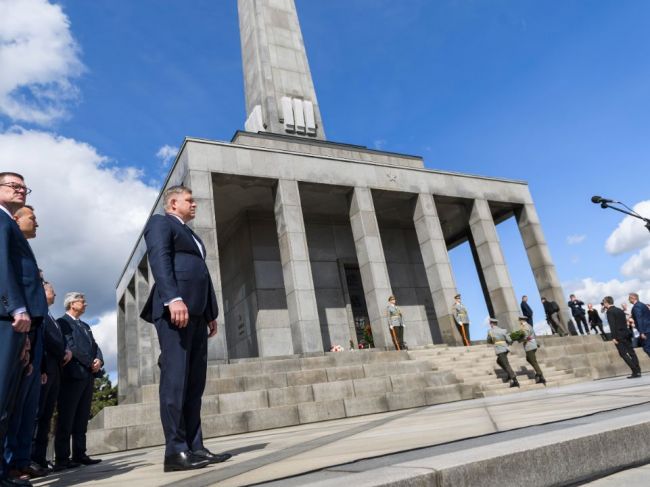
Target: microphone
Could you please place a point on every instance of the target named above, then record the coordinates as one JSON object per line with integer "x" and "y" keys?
{"x": 599, "y": 199}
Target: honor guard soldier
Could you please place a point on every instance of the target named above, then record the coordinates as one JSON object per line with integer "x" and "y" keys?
{"x": 500, "y": 338}
{"x": 530, "y": 347}
{"x": 396, "y": 324}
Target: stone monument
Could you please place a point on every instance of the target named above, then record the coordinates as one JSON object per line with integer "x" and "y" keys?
{"x": 306, "y": 238}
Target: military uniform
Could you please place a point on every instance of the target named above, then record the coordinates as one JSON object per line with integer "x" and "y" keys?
{"x": 530, "y": 347}
{"x": 396, "y": 325}
{"x": 462, "y": 321}
{"x": 500, "y": 338}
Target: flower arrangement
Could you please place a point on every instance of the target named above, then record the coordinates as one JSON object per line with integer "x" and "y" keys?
{"x": 336, "y": 348}
{"x": 517, "y": 335}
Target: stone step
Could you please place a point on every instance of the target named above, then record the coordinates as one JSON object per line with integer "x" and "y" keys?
{"x": 529, "y": 387}
{"x": 231, "y": 402}
{"x": 145, "y": 435}
{"x": 300, "y": 377}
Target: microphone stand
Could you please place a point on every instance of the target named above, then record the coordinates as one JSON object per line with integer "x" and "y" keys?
{"x": 604, "y": 204}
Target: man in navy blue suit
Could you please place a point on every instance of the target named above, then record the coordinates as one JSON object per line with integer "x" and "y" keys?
{"x": 22, "y": 300}
{"x": 183, "y": 307}
{"x": 641, "y": 317}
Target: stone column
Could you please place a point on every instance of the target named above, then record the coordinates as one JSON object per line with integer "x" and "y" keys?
{"x": 372, "y": 264}
{"x": 296, "y": 269}
{"x": 155, "y": 344}
{"x": 121, "y": 350}
{"x": 492, "y": 265}
{"x": 131, "y": 340}
{"x": 145, "y": 329}
{"x": 540, "y": 260}
{"x": 437, "y": 265}
{"x": 205, "y": 226}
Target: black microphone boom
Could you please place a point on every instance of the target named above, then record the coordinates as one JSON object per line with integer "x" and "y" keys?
{"x": 600, "y": 199}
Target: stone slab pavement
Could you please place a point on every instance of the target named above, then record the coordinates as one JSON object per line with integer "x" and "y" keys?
{"x": 388, "y": 438}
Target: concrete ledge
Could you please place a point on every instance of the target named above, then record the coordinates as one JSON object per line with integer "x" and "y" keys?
{"x": 559, "y": 457}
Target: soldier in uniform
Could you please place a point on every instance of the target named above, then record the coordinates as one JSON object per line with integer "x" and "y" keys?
{"x": 500, "y": 338}
{"x": 530, "y": 347}
{"x": 396, "y": 324}
{"x": 461, "y": 317}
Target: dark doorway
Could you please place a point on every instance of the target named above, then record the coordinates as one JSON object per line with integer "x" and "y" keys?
{"x": 358, "y": 305}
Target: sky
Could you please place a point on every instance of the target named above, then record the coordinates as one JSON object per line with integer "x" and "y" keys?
{"x": 96, "y": 97}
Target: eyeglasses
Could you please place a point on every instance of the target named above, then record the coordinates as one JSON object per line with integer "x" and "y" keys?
{"x": 17, "y": 187}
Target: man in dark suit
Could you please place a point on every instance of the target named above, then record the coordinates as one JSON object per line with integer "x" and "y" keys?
{"x": 76, "y": 393}
{"x": 527, "y": 310}
{"x": 183, "y": 307}
{"x": 621, "y": 336}
{"x": 22, "y": 301}
{"x": 55, "y": 356}
{"x": 18, "y": 444}
{"x": 641, "y": 317}
{"x": 578, "y": 313}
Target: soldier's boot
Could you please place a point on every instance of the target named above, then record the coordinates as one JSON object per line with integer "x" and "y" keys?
{"x": 514, "y": 383}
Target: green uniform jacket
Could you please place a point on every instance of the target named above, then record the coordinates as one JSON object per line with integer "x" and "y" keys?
{"x": 530, "y": 343}
{"x": 500, "y": 338}
{"x": 460, "y": 313}
{"x": 394, "y": 316}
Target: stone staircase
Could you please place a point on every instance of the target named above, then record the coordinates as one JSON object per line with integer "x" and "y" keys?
{"x": 258, "y": 394}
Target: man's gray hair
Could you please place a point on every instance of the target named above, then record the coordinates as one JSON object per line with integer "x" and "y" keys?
{"x": 71, "y": 298}
{"x": 173, "y": 191}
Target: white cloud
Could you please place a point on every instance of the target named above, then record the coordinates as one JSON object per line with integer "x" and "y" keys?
{"x": 105, "y": 333}
{"x": 638, "y": 265}
{"x": 167, "y": 154}
{"x": 89, "y": 212}
{"x": 575, "y": 239}
{"x": 591, "y": 291}
{"x": 631, "y": 233}
{"x": 38, "y": 59}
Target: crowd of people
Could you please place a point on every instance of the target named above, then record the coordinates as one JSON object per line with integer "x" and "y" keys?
{"x": 46, "y": 364}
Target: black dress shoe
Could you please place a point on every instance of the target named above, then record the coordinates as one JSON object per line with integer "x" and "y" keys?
{"x": 212, "y": 457}
{"x": 86, "y": 460}
{"x": 64, "y": 465}
{"x": 184, "y": 460}
{"x": 635, "y": 375}
{"x": 34, "y": 470}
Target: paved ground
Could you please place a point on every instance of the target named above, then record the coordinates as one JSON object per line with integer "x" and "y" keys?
{"x": 393, "y": 437}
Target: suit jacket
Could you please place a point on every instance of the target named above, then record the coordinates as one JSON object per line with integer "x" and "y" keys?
{"x": 641, "y": 316}
{"x": 54, "y": 344}
{"x": 594, "y": 317}
{"x": 79, "y": 339}
{"x": 178, "y": 269}
{"x": 526, "y": 310}
{"x": 20, "y": 282}
{"x": 577, "y": 307}
{"x": 617, "y": 323}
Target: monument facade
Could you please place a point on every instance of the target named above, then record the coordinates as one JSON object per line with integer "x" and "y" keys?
{"x": 306, "y": 238}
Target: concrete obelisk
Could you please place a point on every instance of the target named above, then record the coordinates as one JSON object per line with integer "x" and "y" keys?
{"x": 280, "y": 95}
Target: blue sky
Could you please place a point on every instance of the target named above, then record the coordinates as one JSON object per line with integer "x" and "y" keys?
{"x": 555, "y": 93}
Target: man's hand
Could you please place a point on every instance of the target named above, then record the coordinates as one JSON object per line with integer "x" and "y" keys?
{"x": 179, "y": 314}
{"x": 43, "y": 379}
{"x": 22, "y": 323}
{"x": 67, "y": 357}
{"x": 642, "y": 336}
{"x": 615, "y": 341}
{"x": 212, "y": 326}
{"x": 96, "y": 365}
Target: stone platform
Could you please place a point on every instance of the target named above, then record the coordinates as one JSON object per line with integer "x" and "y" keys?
{"x": 259, "y": 394}
{"x": 551, "y": 436}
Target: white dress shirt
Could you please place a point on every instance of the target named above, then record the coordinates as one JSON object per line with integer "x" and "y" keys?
{"x": 200, "y": 251}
